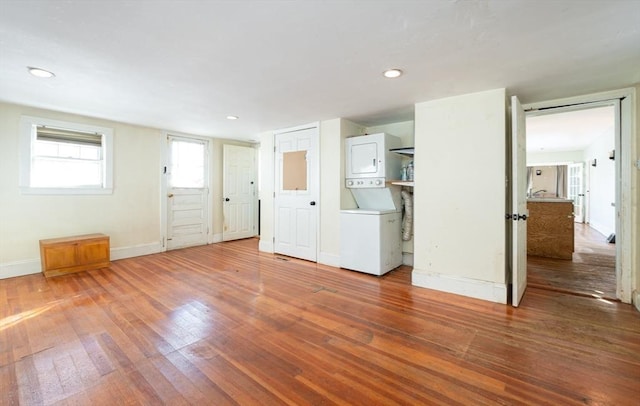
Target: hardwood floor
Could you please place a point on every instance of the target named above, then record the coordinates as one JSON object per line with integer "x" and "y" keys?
{"x": 591, "y": 273}
{"x": 223, "y": 325}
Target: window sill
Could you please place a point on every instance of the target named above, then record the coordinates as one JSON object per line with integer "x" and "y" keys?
{"x": 65, "y": 191}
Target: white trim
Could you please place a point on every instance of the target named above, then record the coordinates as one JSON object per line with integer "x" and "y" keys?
{"x": 327, "y": 258}
{"x": 20, "y": 268}
{"x": 493, "y": 292}
{"x": 265, "y": 246}
{"x": 625, "y": 267}
{"x": 216, "y": 238}
{"x": 33, "y": 266}
{"x": 636, "y": 299}
{"x": 135, "y": 250}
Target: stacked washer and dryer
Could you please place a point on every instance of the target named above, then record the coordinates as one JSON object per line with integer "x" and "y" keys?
{"x": 371, "y": 235}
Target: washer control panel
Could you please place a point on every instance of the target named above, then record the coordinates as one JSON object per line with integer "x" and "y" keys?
{"x": 364, "y": 183}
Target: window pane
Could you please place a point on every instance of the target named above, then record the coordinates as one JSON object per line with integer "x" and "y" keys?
{"x": 294, "y": 170}
{"x": 54, "y": 172}
{"x": 187, "y": 164}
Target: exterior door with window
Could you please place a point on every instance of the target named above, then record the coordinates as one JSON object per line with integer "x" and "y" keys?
{"x": 187, "y": 192}
{"x": 239, "y": 191}
{"x": 296, "y": 193}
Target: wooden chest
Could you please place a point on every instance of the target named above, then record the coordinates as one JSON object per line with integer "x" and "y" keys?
{"x": 65, "y": 255}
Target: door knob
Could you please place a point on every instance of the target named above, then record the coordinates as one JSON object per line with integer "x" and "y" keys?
{"x": 312, "y": 203}
{"x": 226, "y": 199}
{"x": 170, "y": 195}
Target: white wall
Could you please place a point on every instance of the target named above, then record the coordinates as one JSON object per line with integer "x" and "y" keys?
{"x": 130, "y": 216}
{"x": 602, "y": 191}
{"x": 460, "y": 196}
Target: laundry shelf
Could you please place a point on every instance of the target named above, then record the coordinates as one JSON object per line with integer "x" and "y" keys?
{"x": 406, "y": 151}
{"x": 402, "y": 182}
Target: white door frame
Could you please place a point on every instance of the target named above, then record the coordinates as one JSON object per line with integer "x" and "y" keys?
{"x": 315, "y": 125}
{"x": 624, "y": 168}
{"x": 164, "y": 161}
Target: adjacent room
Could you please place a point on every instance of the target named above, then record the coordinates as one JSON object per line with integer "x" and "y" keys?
{"x": 571, "y": 189}
{"x": 266, "y": 202}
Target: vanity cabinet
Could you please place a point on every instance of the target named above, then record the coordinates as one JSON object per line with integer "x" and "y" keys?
{"x": 65, "y": 255}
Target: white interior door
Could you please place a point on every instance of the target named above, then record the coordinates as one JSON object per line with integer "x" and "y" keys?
{"x": 576, "y": 190}
{"x": 239, "y": 191}
{"x": 519, "y": 201}
{"x": 296, "y": 193}
{"x": 187, "y": 192}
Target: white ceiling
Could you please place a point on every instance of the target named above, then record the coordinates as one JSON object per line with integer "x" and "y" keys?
{"x": 570, "y": 130}
{"x": 185, "y": 65}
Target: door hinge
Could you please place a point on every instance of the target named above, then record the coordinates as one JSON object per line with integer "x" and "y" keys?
{"x": 515, "y": 217}
{"x": 164, "y": 170}
{"x": 274, "y": 194}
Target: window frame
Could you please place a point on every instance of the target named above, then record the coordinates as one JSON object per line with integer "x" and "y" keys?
{"x": 28, "y": 136}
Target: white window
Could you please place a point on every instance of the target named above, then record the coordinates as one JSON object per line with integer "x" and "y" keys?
{"x": 59, "y": 157}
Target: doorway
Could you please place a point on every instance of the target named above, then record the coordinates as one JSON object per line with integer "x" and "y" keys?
{"x": 239, "y": 191}
{"x": 187, "y": 191}
{"x": 297, "y": 185}
{"x": 570, "y": 155}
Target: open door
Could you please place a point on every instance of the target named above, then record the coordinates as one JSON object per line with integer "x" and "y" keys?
{"x": 239, "y": 191}
{"x": 519, "y": 201}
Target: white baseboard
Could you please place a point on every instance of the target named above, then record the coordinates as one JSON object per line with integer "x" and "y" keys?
{"x": 135, "y": 251}
{"x": 329, "y": 259}
{"x": 407, "y": 258}
{"x": 20, "y": 268}
{"x": 491, "y": 291}
{"x": 32, "y": 266}
{"x": 216, "y": 238}
{"x": 635, "y": 299}
{"x": 265, "y": 246}
{"x": 601, "y": 228}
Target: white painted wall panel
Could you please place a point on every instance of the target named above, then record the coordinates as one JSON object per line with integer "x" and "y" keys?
{"x": 460, "y": 145}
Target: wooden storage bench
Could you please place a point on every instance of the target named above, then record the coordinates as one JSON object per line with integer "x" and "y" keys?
{"x": 65, "y": 255}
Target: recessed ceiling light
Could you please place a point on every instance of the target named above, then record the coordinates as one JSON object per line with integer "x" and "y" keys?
{"x": 392, "y": 73}
{"x": 41, "y": 73}
{"x": 232, "y": 117}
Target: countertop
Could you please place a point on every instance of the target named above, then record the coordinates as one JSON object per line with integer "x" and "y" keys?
{"x": 548, "y": 200}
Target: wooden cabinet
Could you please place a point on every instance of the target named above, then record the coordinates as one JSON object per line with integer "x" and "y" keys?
{"x": 60, "y": 256}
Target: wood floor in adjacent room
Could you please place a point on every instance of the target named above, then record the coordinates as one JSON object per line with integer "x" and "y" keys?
{"x": 223, "y": 325}
{"x": 591, "y": 272}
